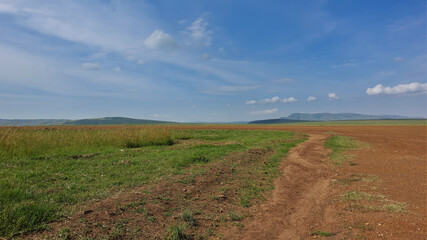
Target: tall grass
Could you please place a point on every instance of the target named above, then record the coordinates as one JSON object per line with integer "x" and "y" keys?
{"x": 43, "y": 142}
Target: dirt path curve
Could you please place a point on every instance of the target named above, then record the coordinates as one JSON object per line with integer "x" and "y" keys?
{"x": 298, "y": 203}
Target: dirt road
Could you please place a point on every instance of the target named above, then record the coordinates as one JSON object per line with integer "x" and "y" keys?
{"x": 299, "y": 194}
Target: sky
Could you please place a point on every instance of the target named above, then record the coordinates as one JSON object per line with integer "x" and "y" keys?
{"x": 201, "y": 60}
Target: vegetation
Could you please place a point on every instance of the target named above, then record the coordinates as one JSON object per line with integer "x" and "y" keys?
{"x": 47, "y": 172}
{"x": 322, "y": 234}
{"x": 340, "y": 144}
{"x": 177, "y": 232}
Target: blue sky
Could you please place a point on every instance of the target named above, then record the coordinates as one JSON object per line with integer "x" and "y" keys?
{"x": 201, "y": 60}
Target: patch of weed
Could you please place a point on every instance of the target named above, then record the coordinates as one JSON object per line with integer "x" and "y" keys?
{"x": 395, "y": 207}
{"x": 359, "y": 196}
{"x": 187, "y": 217}
{"x": 177, "y": 232}
{"x": 64, "y": 234}
{"x": 234, "y": 216}
{"x": 340, "y": 144}
{"x": 322, "y": 234}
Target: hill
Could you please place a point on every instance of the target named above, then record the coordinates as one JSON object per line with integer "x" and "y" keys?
{"x": 31, "y": 122}
{"x": 112, "y": 121}
{"x": 90, "y": 121}
{"x": 317, "y": 117}
{"x": 338, "y": 116}
{"x": 275, "y": 121}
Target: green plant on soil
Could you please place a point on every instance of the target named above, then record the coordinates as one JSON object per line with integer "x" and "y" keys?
{"x": 322, "y": 234}
{"x": 177, "y": 232}
{"x": 339, "y": 145}
{"x": 47, "y": 173}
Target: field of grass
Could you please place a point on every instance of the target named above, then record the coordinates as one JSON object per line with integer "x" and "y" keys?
{"x": 397, "y": 122}
{"x": 47, "y": 172}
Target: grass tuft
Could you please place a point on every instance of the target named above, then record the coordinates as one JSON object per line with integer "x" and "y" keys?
{"x": 177, "y": 232}
{"x": 187, "y": 217}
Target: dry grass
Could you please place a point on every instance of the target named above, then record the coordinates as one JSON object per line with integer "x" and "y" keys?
{"x": 45, "y": 141}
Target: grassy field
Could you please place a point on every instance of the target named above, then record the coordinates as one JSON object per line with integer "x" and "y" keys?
{"x": 48, "y": 172}
{"x": 397, "y": 122}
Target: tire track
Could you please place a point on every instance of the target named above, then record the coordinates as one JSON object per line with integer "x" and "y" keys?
{"x": 298, "y": 203}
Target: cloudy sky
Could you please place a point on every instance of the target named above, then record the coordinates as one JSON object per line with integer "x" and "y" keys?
{"x": 201, "y": 60}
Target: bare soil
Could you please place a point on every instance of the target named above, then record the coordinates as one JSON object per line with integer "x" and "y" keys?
{"x": 306, "y": 202}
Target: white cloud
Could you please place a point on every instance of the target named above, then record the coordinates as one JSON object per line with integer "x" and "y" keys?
{"x": 91, "y": 66}
{"x": 311, "y": 98}
{"x": 251, "y": 102}
{"x": 414, "y": 87}
{"x": 198, "y": 32}
{"x": 160, "y": 40}
{"x": 289, "y": 100}
{"x": 262, "y": 112}
{"x": 270, "y": 100}
{"x": 117, "y": 69}
{"x": 398, "y": 59}
{"x": 333, "y": 96}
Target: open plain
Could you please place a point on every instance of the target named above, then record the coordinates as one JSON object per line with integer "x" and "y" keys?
{"x": 261, "y": 184}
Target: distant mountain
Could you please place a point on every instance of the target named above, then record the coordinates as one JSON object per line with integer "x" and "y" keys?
{"x": 112, "y": 121}
{"x": 305, "y": 117}
{"x": 275, "y": 121}
{"x": 91, "y": 121}
{"x": 338, "y": 116}
{"x": 31, "y": 122}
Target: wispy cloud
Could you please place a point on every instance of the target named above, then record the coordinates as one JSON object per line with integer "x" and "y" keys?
{"x": 160, "y": 40}
{"x": 414, "y": 87}
{"x": 333, "y": 96}
{"x": 251, "y": 102}
{"x": 269, "y": 100}
{"x": 398, "y": 59}
{"x": 264, "y": 112}
{"x": 289, "y": 100}
{"x": 311, "y": 99}
{"x": 199, "y": 33}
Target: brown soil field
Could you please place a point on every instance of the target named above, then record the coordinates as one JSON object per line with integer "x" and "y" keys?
{"x": 396, "y": 157}
{"x": 307, "y": 200}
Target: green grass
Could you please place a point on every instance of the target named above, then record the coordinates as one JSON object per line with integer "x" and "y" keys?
{"x": 177, "y": 232}
{"x": 397, "y": 122}
{"x": 338, "y": 146}
{"x": 322, "y": 234}
{"x": 47, "y": 173}
{"x": 188, "y": 218}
